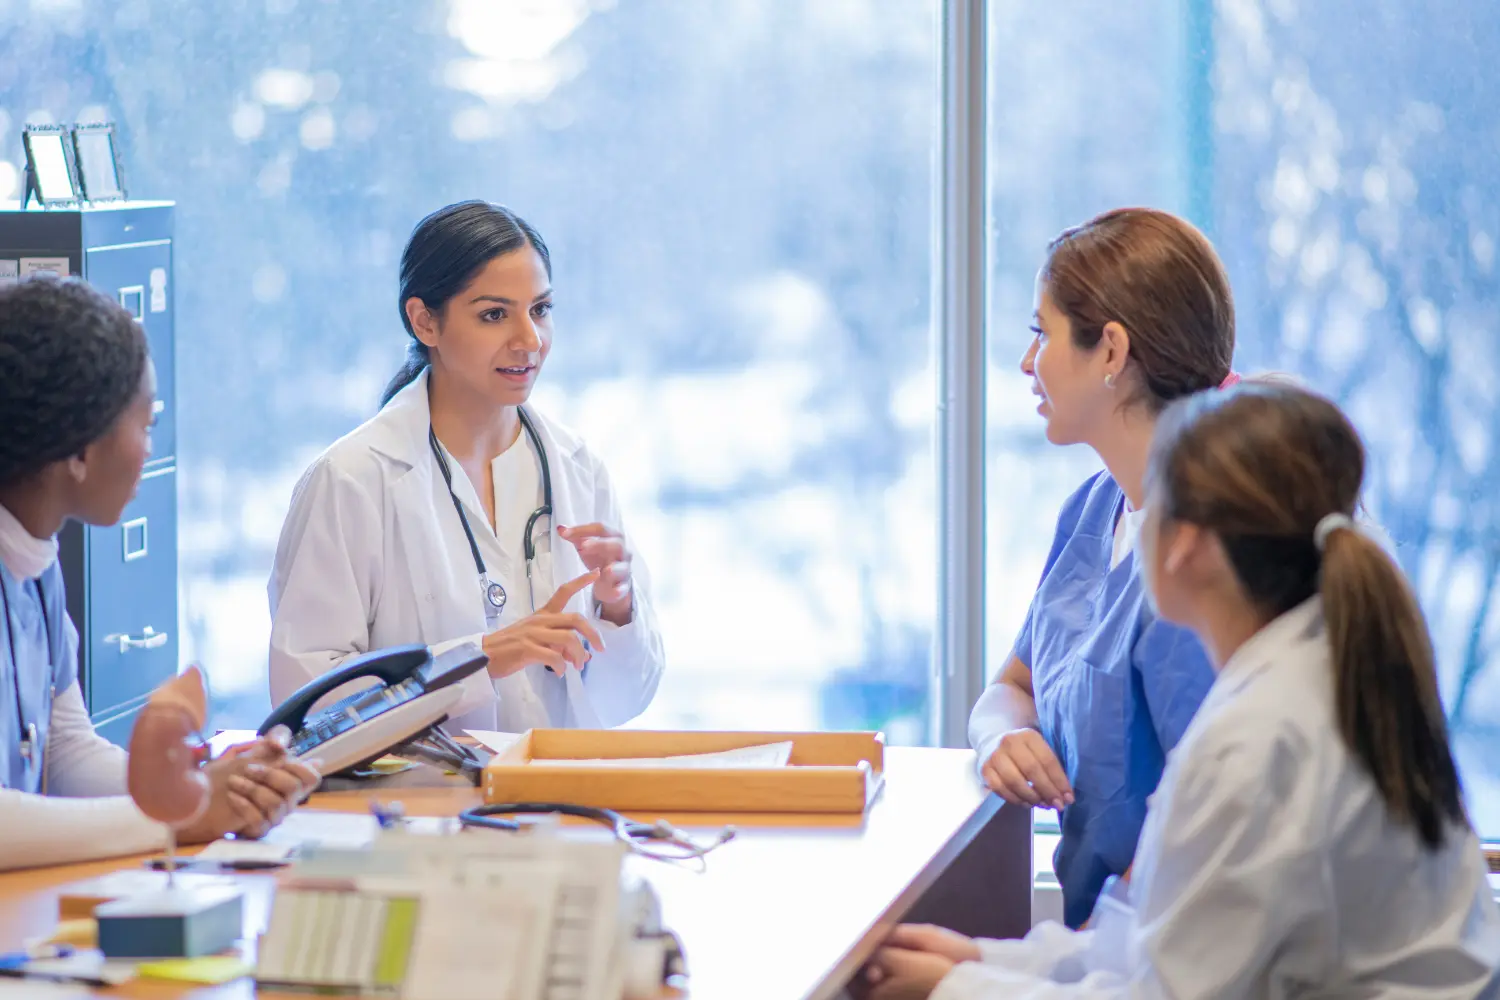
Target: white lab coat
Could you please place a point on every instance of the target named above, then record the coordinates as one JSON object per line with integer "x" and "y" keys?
{"x": 373, "y": 555}
{"x": 1269, "y": 867}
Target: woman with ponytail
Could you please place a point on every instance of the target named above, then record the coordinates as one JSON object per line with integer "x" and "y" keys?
{"x": 1309, "y": 837}
{"x": 460, "y": 512}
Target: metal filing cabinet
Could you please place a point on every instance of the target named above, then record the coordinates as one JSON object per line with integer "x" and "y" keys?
{"x": 121, "y": 580}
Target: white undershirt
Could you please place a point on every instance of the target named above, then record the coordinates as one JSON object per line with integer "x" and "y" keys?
{"x": 517, "y": 478}
{"x": 1127, "y": 531}
{"x": 85, "y": 813}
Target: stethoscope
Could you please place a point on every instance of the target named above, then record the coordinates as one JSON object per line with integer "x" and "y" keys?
{"x": 494, "y": 593}
{"x": 26, "y": 730}
{"x": 660, "y": 840}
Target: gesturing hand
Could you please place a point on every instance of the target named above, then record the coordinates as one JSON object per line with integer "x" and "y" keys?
{"x": 604, "y": 549}
{"x": 551, "y": 636}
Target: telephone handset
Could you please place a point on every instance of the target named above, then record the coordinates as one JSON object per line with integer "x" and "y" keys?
{"x": 415, "y": 692}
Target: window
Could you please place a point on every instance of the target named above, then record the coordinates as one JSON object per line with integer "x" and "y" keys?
{"x": 1343, "y": 158}
{"x": 1357, "y": 198}
{"x": 738, "y": 201}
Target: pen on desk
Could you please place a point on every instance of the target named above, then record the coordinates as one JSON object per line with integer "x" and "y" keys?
{"x": 226, "y": 865}
{"x": 16, "y": 959}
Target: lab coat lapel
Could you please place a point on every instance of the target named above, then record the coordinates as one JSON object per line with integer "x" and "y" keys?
{"x": 571, "y": 506}
{"x": 432, "y": 550}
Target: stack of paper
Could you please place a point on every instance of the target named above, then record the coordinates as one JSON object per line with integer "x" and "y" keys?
{"x": 765, "y": 755}
{"x": 452, "y": 918}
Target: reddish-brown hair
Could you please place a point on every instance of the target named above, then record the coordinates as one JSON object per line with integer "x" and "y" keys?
{"x": 1158, "y": 277}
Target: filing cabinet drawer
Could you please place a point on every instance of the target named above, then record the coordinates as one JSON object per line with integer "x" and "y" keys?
{"x": 132, "y": 593}
{"x": 117, "y": 728}
{"x": 139, "y": 278}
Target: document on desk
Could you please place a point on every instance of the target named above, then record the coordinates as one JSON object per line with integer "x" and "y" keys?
{"x": 231, "y": 851}
{"x": 471, "y": 945}
{"x": 571, "y": 887}
{"x": 525, "y": 917}
{"x": 765, "y": 755}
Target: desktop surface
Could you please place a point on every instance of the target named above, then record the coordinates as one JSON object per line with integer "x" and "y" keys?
{"x": 791, "y": 908}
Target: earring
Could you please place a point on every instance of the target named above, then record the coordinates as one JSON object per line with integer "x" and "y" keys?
{"x": 1109, "y": 381}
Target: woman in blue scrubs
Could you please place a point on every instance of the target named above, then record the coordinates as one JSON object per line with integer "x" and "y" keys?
{"x": 76, "y": 412}
{"x": 1133, "y": 310}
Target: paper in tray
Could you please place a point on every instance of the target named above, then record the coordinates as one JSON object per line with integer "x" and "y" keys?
{"x": 734, "y": 771}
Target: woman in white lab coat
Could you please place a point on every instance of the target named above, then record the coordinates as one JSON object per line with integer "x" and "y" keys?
{"x": 429, "y": 523}
{"x": 1309, "y": 837}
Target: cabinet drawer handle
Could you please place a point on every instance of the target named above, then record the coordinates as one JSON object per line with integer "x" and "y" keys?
{"x": 148, "y": 639}
{"x": 133, "y": 300}
{"x": 135, "y": 543}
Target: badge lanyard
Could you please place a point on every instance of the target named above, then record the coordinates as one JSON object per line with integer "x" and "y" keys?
{"x": 29, "y": 749}
{"x": 493, "y": 594}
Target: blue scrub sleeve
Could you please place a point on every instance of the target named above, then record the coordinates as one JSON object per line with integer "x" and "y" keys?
{"x": 1067, "y": 527}
{"x": 65, "y": 673}
{"x": 1175, "y": 675}
{"x": 1022, "y": 649}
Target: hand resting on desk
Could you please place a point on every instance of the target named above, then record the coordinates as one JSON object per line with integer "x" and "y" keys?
{"x": 912, "y": 961}
{"x": 246, "y": 791}
{"x": 253, "y": 787}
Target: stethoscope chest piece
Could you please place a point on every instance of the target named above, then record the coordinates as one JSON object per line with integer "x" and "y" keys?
{"x": 495, "y": 594}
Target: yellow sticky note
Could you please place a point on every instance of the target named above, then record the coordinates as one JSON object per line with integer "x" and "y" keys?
{"x": 210, "y": 970}
{"x": 390, "y": 765}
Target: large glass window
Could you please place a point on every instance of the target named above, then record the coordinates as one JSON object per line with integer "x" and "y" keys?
{"x": 1343, "y": 156}
{"x": 738, "y": 200}
{"x": 1356, "y": 187}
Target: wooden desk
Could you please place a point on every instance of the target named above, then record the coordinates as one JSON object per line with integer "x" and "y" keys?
{"x": 790, "y": 909}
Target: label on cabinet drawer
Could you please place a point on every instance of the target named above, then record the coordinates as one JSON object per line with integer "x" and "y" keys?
{"x": 158, "y": 289}
{"x": 44, "y": 265}
{"x": 10, "y": 272}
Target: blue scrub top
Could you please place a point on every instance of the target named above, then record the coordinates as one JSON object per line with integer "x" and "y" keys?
{"x": 1115, "y": 689}
{"x": 44, "y": 664}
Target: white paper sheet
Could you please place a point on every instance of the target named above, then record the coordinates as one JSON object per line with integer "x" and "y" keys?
{"x": 765, "y": 755}
{"x": 471, "y": 946}
{"x": 498, "y": 742}
{"x": 247, "y": 850}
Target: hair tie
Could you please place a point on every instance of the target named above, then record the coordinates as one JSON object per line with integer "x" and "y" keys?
{"x": 1233, "y": 378}
{"x": 1328, "y": 525}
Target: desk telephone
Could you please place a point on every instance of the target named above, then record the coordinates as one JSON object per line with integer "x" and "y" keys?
{"x": 400, "y": 714}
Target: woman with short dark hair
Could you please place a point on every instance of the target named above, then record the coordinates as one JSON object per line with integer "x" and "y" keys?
{"x": 76, "y": 411}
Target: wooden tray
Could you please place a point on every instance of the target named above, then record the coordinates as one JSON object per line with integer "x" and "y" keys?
{"x": 827, "y": 773}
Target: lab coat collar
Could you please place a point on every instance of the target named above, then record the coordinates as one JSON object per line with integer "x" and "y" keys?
{"x": 400, "y": 429}
{"x": 1268, "y": 647}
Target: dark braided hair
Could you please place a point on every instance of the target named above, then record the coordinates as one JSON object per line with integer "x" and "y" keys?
{"x": 71, "y": 361}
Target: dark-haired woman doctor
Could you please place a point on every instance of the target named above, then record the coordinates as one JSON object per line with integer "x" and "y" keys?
{"x": 459, "y": 512}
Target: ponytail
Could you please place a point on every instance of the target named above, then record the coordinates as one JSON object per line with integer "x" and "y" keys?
{"x": 416, "y": 361}
{"x": 1262, "y": 465}
{"x": 1389, "y": 711}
